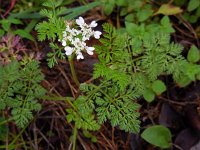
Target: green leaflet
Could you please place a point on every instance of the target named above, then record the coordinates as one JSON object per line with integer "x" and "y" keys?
{"x": 158, "y": 87}
{"x": 149, "y": 95}
{"x": 158, "y": 135}
{"x": 193, "y": 54}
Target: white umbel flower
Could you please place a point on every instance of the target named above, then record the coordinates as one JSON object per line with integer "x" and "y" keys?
{"x": 74, "y": 40}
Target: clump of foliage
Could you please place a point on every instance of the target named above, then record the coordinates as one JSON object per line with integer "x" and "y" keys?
{"x": 138, "y": 11}
{"x": 20, "y": 89}
{"x": 117, "y": 103}
{"x": 125, "y": 58}
{"x": 130, "y": 64}
{"x": 129, "y": 68}
{"x": 20, "y": 79}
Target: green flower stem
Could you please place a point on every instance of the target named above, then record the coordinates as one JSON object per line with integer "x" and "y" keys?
{"x": 74, "y": 138}
{"x": 6, "y": 121}
{"x": 74, "y": 76}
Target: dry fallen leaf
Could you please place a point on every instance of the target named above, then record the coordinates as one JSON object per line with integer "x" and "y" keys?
{"x": 168, "y": 9}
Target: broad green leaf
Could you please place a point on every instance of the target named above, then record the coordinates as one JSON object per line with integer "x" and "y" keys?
{"x": 149, "y": 95}
{"x": 193, "y": 4}
{"x": 5, "y": 24}
{"x": 130, "y": 28}
{"x": 27, "y": 14}
{"x": 192, "y": 70}
{"x": 136, "y": 5}
{"x": 193, "y": 19}
{"x": 158, "y": 135}
{"x": 166, "y": 25}
{"x": 121, "y": 2}
{"x": 165, "y": 20}
{"x": 186, "y": 16}
{"x": 129, "y": 17}
{"x": 15, "y": 21}
{"x": 124, "y": 12}
{"x": 158, "y": 87}
{"x": 108, "y": 7}
{"x": 168, "y": 9}
{"x": 31, "y": 25}
{"x": 193, "y": 54}
{"x": 137, "y": 31}
{"x": 183, "y": 81}
{"x": 144, "y": 13}
{"x": 24, "y": 34}
{"x": 77, "y": 11}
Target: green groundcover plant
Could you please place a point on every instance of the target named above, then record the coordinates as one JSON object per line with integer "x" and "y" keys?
{"x": 129, "y": 67}
{"x": 20, "y": 90}
{"x": 132, "y": 60}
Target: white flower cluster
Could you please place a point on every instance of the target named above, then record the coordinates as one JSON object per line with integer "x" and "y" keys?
{"x": 74, "y": 40}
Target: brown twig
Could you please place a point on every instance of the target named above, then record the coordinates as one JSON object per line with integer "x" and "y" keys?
{"x": 188, "y": 25}
{"x": 73, "y": 90}
{"x": 179, "y": 103}
{"x": 10, "y": 8}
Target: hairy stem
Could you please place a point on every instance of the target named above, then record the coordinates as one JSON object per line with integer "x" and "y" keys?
{"x": 74, "y": 76}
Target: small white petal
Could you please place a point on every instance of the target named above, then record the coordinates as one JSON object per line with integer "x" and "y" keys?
{"x": 70, "y": 38}
{"x": 80, "y": 21}
{"x": 64, "y": 43}
{"x": 67, "y": 28}
{"x": 89, "y": 50}
{"x": 77, "y": 40}
{"x": 77, "y": 32}
{"x": 68, "y": 50}
{"x": 93, "y": 24}
{"x": 85, "y": 38}
{"x": 97, "y": 34}
{"x": 80, "y": 55}
{"x": 64, "y": 34}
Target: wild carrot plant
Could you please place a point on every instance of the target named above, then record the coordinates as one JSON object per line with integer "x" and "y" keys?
{"x": 131, "y": 61}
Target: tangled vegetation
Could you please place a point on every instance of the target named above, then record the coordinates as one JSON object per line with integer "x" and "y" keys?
{"x": 115, "y": 72}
